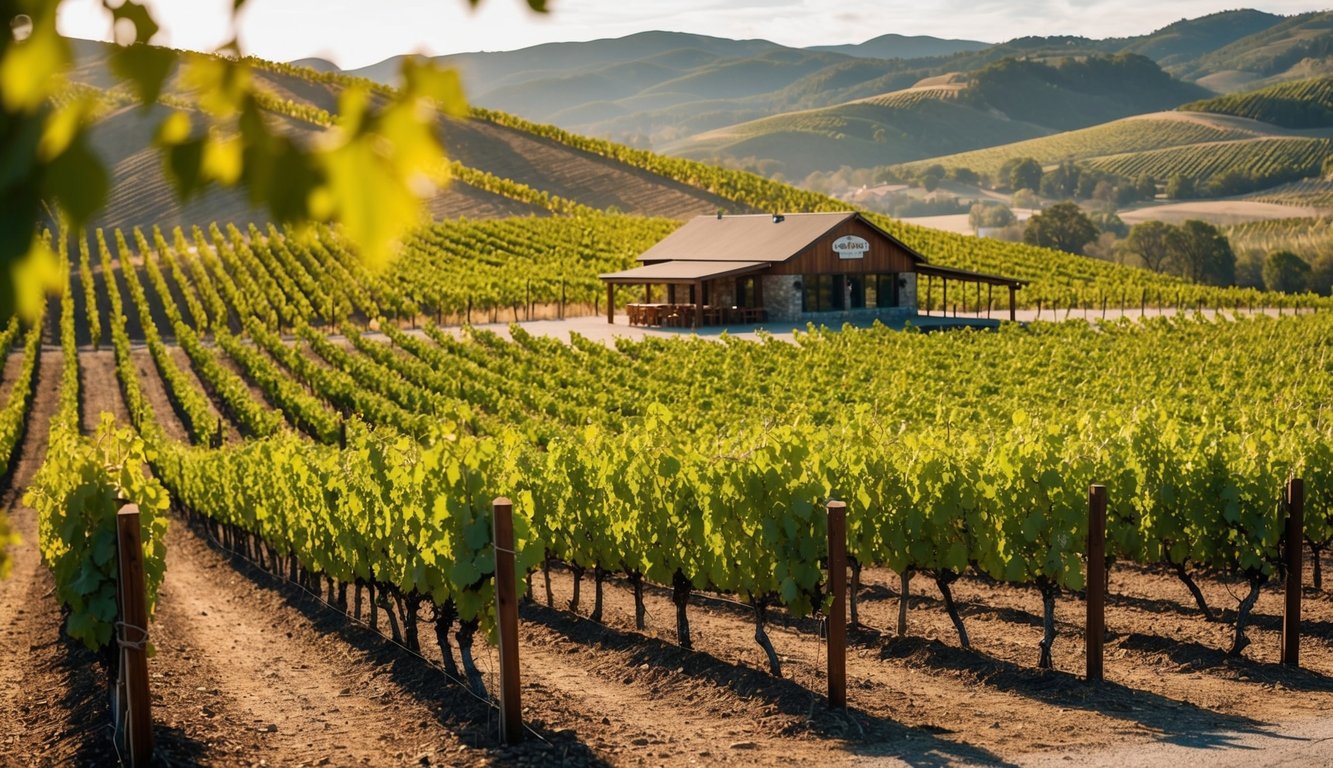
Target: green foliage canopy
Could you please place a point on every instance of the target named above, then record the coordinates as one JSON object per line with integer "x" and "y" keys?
{"x": 1063, "y": 226}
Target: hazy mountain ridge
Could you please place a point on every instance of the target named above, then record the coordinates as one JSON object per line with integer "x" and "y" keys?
{"x": 663, "y": 89}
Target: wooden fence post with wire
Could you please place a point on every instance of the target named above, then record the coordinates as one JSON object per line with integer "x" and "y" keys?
{"x": 506, "y": 611}
{"x": 135, "y": 716}
{"x": 837, "y": 618}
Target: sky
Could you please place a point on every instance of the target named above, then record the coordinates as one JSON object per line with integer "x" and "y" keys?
{"x": 357, "y": 33}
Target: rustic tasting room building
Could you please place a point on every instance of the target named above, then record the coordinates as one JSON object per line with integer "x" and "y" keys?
{"x": 792, "y": 268}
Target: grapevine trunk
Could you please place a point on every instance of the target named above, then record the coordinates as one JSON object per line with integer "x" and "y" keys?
{"x": 444, "y": 621}
{"x": 761, "y": 637}
{"x": 1240, "y": 640}
{"x": 636, "y": 579}
{"x": 1047, "y": 588}
{"x": 1184, "y": 576}
{"x": 906, "y": 579}
{"x": 680, "y": 595}
{"x": 944, "y": 580}
{"x": 466, "y": 631}
{"x": 577, "y": 570}
{"x": 852, "y": 603}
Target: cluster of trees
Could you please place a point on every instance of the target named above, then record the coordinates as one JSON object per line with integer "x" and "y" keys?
{"x": 1228, "y": 184}
{"x": 1195, "y": 250}
{"x": 1069, "y": 181}
{"x": 1284, "y": 270}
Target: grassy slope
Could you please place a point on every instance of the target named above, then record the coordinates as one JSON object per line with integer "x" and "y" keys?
{"x": 1295, "y": 104}
{"x": 1009, "y": 101}
{"x": 1131, "y": 134}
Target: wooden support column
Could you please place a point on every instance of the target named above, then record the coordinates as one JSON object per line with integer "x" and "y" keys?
{"x": 930, "y": 284}
{"x": 506, "y": 613}
{"x": 837, "y": 618}
{"x": 611, "y": 303}
{"x": 132, "y": 637}
{"x": 1013, "y": 298}
{"x": 1291, "y": 613}
{"x": 698, "y": 303}
{"x": 990, "y": 298}
{"x": 944, "y": 303}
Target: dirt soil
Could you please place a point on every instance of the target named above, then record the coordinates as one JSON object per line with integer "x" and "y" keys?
{"x": 252, "y": 670}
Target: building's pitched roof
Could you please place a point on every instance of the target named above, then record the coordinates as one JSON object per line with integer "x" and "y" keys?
{"x": 684, "y": 270}
{"x": 750, "y": 238}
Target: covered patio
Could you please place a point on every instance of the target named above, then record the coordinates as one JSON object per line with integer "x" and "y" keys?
{"x": 933, "y": 272}
{"x": 689, "y": 287}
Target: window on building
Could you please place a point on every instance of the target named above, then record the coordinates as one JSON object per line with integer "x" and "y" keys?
{"x": 816, "y": 293}
{"x": 746, "y": 292}
{"x": 855, "y": 290}
{"x": 881, "y": 291}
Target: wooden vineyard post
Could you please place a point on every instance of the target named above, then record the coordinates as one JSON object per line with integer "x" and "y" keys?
{"x": 1291, "y": 613}
{"x": 1096, "y": 581}
{"x": 132, "y": 636}
{"x": 506, "y": 611}
{"x": 837, "y": 619}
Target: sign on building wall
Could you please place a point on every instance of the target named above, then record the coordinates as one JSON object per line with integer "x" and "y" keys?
{"x": 851, "y": 247}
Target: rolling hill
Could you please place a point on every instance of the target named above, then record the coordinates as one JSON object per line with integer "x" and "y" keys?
{"x": 1243, "y": 142}
{"x": 895, "y": 46}
{"x": 1141, "y": 133}
{"x": 658, "y": 89}
{"x": 1008, "y": 101}
{"x": 1294, "y": 104}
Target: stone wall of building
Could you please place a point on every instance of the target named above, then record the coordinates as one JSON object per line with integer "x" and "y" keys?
{"x": 782, "y": 299}
{"x": 722, "y": 293}
{"x": 907, "y": 293}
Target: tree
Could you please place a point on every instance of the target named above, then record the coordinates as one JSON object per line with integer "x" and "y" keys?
{"x": 1180, "y": 187}
{"x": 1063, "y": 226}
{"x": 1026, "y": 198}
{"x": 1061, "y": 182}
{"x": 1203, "y": 254}
{"x": 1154, "y": 242}
{"x": 1146, "y": 186}
{"x": 1285, "y": 271}
{"x": 1250, "y": 269}
{"x": 989, "y": 214}
{"x": 371, "y": 176}
{"x": 1108, "y": 222}
{"x": 964, "y": 176}
{"x": 1321, "y": 274}
{"x": 1021, "y": 173}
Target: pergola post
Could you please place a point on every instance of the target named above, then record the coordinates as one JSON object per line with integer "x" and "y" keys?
{"x": 611, "y": 303}
{"x": 1013, "y": 293}
{"x": 698, "y": 303}
{"x": 930, "y": 283}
